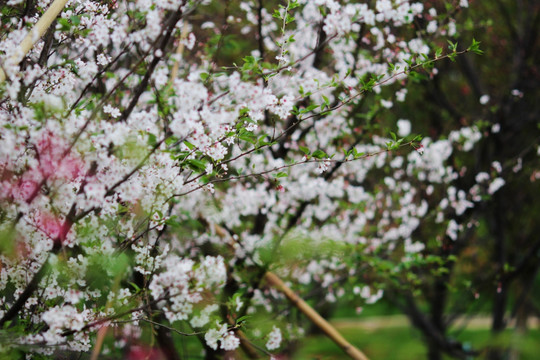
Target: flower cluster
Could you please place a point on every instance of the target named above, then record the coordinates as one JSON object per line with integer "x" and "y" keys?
{"x": 117, "y": 119}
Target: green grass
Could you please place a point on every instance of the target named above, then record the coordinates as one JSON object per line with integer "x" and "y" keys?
{"x": 390, "y": 343}
{"x": 405, "y": 343}
{"x": 527, "y": 345}
{"x": 384, "y": 337}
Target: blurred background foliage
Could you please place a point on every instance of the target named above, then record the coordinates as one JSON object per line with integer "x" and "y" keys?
{"x": 481, "y": 297}
{"x": 490, "y": 274}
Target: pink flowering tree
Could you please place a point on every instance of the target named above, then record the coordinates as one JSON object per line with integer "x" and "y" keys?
{"x": 164, "y": 164}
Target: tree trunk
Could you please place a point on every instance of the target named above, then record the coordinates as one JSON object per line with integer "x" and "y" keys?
{"x": 500, "y": 297}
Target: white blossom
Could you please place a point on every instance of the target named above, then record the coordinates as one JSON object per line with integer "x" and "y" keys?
{"x": 484, "y": 99}
{"x": 495, "y": 185}
{"x": 404, "y": 127}
{"x": 274, "y": 339}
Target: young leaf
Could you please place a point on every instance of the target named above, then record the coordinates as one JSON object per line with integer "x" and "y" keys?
{"x": 319, "y": 154}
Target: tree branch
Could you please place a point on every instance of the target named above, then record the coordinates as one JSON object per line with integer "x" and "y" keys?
{"x": 36, "y": 33}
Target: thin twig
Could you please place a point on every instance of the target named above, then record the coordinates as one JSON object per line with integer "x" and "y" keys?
{"x": 260, "y": 174}
{"x": 173, "y": 329}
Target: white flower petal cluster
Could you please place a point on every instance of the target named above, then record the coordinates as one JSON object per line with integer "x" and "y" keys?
{"x": 182, "y": 283}
{"x": 228, "y": 341}
{"x": 110, "y": 174}
{"x": 274, "y": 339}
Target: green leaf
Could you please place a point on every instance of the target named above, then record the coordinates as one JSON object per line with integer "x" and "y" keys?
{"x": 137, "y": 289}
{"x": 118, "y": 264}
{"x": 319, "y": 154}
{"x": 294, "y": 5}
{"x": 326, "y": 101}
{"x": 196, "y": 165}
{"x": 170, "y": 140}
{"x": 64, "y": 24}
{"x": 242, "y": 319}
{"x": 75, "y": 19}
{"x": 418, "y": 77}
{"x": 172, "y": 221}
{"x": 152, "y": 139}
{"x": 247, "y": 136}
{"x": 309, "y": 108}
{"x": 359, "y": 155}
{"x": 304, "y": 149}
{"x": 475, "y": 47}
{"x": 7, "y": 324}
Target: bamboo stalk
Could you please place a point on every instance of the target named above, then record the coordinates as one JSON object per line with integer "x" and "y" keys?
{"x": 36, "y": 33}
{"x": 245, "y": 344}
{"x": 179, "y": 51}
{"x": 99, "y": 342}
{"x": 317, "y": 319}
{"x": 311, "y": 314}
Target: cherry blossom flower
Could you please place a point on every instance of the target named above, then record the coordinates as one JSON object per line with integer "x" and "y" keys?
{"x": 274, "y": 339}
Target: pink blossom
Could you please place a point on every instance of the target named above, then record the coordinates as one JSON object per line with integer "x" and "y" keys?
{"x": 52, "y": 226}
{"x": 53, "y": 160}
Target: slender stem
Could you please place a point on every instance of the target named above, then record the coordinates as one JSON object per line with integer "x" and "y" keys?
{"x": 36, "y": 33}
{"x": 175, "y": 18}
{"x": 179, "y": 51}
{"x": 314, "y": 316}
{"x": 286, "y": 166}
{"x": 28, "y": 291}
{"x": 102, "y": 332}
